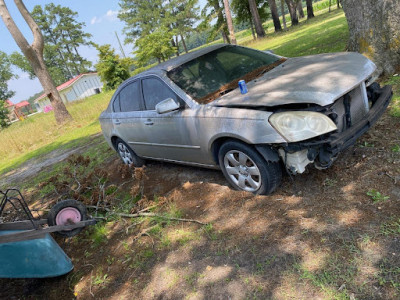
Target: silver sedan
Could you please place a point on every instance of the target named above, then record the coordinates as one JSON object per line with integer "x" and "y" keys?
{"x": 288, "y": 113}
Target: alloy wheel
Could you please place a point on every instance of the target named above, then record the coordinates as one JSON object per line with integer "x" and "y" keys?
{"x": 242, "y": 170}
{"x": 125, "y": 154}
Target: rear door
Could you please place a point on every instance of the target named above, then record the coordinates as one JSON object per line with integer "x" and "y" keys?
{"x": 127, "y": 115}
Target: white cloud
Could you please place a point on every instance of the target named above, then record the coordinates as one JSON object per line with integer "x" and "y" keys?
{"x": 111, "y": 16}
{"x": 95, "y": 20}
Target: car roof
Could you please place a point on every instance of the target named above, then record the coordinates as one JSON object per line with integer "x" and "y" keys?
{"x": 180, "y": 60}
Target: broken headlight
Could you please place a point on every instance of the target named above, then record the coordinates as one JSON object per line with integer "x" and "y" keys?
{"x": 297, "y": 126}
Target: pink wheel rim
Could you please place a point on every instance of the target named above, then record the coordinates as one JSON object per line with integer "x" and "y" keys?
{"x": 68, "y": 216}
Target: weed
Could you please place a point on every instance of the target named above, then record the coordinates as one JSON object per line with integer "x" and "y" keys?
{"x": 389, "y": 274}
{"x": 98, "y": 234}
{"x": 377, "y": 196}
{"x": 365, "y": 239}
{"x": 367, "y": 145}
{"x": 390, "y": 228}
{"x": 210, "y": 232}
{"x": 396, "y": 148}
{"x": 148, "y": 253}
{"x": 87, "y": 254}
{"x": 100, "y": 278}
{"x": 110, "y": 260}
{"x": 330, "y": 182}
{"x": 192, "y": 278}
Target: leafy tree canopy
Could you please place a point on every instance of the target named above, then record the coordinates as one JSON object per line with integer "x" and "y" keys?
{"x": 111, "y": 68}
{"x": 145, "y": 21}
{"x": 155, "y": 45}
{"x": 63, "y": 36}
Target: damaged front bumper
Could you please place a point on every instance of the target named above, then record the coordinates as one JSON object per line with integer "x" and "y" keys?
{"x": 324, "y": 150}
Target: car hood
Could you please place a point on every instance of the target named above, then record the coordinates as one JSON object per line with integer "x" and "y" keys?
{"x": 317, "y": 79}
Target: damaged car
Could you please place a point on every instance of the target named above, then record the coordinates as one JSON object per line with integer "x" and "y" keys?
{"x": 250, "y": 113}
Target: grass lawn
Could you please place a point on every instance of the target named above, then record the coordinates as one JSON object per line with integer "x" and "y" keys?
{"x": 40, "y": 134}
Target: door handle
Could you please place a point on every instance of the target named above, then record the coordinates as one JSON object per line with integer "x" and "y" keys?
{"x": 148, "y": 122}
{"x": 117, "y": 122}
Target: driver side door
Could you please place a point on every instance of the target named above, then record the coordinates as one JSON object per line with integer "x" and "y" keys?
{"x": 169, "y": 136}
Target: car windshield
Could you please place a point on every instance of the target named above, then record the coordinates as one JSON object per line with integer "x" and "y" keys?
{"x": 209, "y": 76}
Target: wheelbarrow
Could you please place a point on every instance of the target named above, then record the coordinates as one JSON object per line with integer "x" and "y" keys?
{"x": 27, "y": 249}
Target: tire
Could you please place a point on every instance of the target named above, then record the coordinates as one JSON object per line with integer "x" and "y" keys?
{"x": 245, "y": 169}
{"x": 70, "y": 209}
{"x": 127, "y": 155}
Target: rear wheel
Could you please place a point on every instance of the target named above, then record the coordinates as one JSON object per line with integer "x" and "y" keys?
{"x": 245, "y": 169}
{"x": 127, "y": 155}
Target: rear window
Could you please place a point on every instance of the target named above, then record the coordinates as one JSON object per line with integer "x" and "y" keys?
{"x": 129, "y": 97}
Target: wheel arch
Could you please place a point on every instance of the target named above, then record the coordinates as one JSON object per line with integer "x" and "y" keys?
{"x": 265, "y": 150}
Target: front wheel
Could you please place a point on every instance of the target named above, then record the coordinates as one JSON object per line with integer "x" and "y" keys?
{"x": 245, "y": 169}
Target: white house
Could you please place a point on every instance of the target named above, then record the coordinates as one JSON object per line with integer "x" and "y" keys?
{"x": 79, "y": 87}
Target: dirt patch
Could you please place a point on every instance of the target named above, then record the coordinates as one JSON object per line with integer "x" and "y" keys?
{"x": 35, "y": 165}
{"x": 320, "y": 236}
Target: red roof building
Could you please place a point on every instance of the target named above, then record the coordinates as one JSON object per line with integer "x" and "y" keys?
{"x": 79, "y": 87}
{"x": 16, "y": 111}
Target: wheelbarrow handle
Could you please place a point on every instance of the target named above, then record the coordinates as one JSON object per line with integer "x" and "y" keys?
{"x": 40, "y": 233}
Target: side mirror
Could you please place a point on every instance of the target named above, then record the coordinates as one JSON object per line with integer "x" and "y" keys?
{"x": 167, "y": 105}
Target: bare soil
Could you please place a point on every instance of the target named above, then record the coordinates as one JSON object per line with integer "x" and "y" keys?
{"x": 319, "y": 236}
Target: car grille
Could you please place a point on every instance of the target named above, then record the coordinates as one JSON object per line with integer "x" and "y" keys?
{"x": 354, "y": 112}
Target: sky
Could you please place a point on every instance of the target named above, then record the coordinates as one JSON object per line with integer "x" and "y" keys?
{"x": 100, "y": 17}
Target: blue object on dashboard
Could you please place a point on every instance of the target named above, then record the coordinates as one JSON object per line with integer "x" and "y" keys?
{"x": 242, "y": 86}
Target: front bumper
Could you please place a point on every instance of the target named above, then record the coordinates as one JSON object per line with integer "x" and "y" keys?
{"x": 324, "y": 150}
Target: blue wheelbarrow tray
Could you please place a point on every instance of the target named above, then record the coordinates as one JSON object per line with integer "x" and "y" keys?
{"x": 41, "y": 257}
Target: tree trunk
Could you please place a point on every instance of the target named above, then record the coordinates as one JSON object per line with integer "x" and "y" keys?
{"x": 253, "y": 33}
{"x": 175, "y": 44}
{"x": 225, "y": 37}
{"x": 374, "y": 27}
{"x": 300, "y": 9}
{"x": 184, "y": 43}
{"x": 283, "y": 14}
{"x": 256, "y": 17}
{"x": 34, "y": 54}
{"x": 221, "y": 20}
{"x": 229, "y": 22}
{"x": 338, "y": 3}
{"x": 293, "y": 12}
{"x": 310, "y": 9}
{"x": 275, "y": 15}
{"x": 330, "y": 3}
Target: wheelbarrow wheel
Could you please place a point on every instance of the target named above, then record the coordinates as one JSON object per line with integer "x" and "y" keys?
{"x": 67, "y": 212}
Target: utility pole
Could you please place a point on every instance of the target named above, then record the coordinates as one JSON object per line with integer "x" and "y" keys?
{"x": 120, "y": 45}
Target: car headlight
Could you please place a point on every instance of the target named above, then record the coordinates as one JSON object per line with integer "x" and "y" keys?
{"x": 296, "y": 126}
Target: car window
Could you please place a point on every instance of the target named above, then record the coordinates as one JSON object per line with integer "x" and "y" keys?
{"x": 116, "y": 105}
{"x": 208, "y": 76}
{"x": 130, "y": 97}
{"x": 155, "y": 91}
